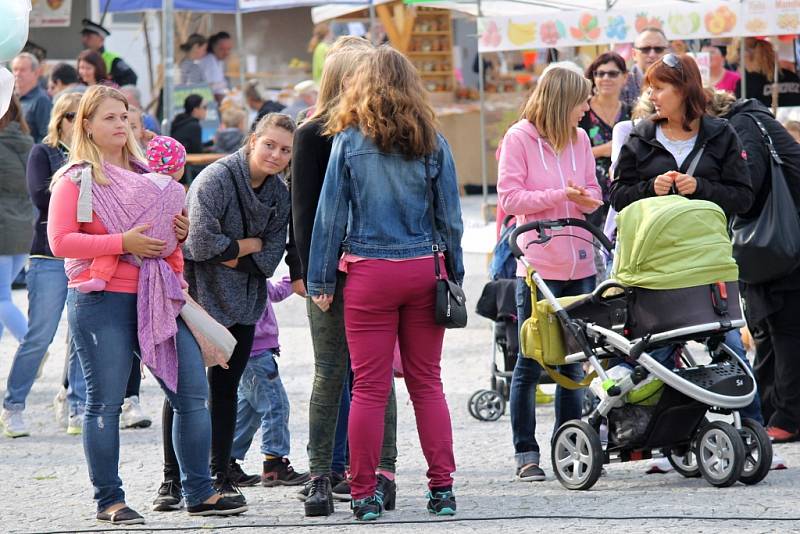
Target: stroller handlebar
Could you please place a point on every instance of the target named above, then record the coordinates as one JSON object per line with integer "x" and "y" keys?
{"x": 541, "y": 227}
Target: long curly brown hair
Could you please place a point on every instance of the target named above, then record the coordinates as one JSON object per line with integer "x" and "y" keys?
{"x": 385, "y": 99}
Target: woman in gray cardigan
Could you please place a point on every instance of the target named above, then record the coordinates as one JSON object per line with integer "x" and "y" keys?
{"x": 239, "y": 214}
{"x": 16, "y": 213}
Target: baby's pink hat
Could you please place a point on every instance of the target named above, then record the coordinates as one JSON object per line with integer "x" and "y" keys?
{"x": 165, "y": 155}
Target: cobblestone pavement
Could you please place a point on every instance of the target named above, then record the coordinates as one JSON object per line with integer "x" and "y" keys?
{"x": 45, "y": 485}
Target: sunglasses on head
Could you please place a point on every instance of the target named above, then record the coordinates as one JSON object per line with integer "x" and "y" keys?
{"x": 672, "y": 61}
{"x": 647, "y": 49}
{"x": 612, "y": 74}
{"x": 70, "y": 116}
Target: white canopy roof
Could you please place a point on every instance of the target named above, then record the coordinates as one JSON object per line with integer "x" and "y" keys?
{"x": 493, "y": 8}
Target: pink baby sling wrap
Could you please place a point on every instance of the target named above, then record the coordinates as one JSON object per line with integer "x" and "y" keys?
{"x": 129, "y": 200}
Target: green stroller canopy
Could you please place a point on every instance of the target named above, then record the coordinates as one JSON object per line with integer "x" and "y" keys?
{"x": 671, "y": 242}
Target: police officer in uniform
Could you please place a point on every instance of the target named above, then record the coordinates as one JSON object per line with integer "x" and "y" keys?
{"x": 93, "y": 36}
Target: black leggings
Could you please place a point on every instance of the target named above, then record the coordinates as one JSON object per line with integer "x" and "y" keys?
{"x": 223, "y": 396}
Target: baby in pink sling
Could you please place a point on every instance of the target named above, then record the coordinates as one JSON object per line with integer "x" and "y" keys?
{"x": 166, "y": 158}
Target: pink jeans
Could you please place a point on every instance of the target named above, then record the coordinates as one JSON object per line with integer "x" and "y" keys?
{"x": 386, "y": 301}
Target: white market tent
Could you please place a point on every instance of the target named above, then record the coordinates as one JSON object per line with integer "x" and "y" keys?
{"x": 531, "y": 24}
{"x": 235, "y": 7}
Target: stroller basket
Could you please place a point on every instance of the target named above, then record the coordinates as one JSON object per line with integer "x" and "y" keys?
{"x": 654, "y": 311}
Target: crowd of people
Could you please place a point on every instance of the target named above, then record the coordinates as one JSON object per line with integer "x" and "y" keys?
{"x": 116, "y": 236}
{"x": 125, "y": 246}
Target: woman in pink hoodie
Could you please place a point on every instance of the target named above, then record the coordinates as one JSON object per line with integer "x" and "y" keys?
{"x": 547, "y": 171}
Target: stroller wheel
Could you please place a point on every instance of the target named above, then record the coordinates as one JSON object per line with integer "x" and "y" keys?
{"x": 589, "y": 402}
{"x": 577, "y": 455}
{"x": 471, "y": 403}
{"x": 720, "y": 454}
{"x": 684, "y": 464}
{"x": 758, "y": 452}
{"x": 488, "y": 405}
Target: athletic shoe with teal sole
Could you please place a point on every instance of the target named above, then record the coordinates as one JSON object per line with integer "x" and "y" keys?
{"x": 442, "y": 503}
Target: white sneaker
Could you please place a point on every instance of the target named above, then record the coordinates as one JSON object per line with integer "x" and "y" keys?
{"x": 659, "y": 466}
{"x": 60, "y": 407}
{"x": 75, "y": 425}
{"x": 778, "y": 463}
{"x": 14, "y": 424}
{"x": 132, "y": 415}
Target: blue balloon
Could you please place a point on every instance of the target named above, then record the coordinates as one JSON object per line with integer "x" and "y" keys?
{"x": 14, "y": 16}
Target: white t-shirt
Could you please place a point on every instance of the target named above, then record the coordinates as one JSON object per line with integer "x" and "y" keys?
{"x": 678, "y": 149}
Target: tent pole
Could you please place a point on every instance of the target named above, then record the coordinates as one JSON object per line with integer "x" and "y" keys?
{"x": 168, "y": 50}
{"x": 372, "y": 37}
{"x": 742, "y": 69}
{"x": 482, "y": 93}
{"x": 240, "y": 45}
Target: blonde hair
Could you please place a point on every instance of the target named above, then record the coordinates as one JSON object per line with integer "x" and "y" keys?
{"x": 233, "y": 117}
{"x": 557, "y": 93}
{"x": 720, "y": 103}
{"x": 83, "y": 148}
{"x": 762, "y": 59}
{"x": 385, "y": 99}
{"x": 345, "y": 56}
{"x": 63, "y": 105}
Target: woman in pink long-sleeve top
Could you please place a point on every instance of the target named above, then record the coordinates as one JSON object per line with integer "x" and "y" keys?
{"x": 102, "y": 179}
{"x": 547, "y": 171}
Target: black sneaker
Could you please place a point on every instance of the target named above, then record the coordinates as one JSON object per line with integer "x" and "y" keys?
{"x": 387, "y": 490}
{"x": 240, "y": 478}
{"x": 530, "y": 472}
{"x": 320, "y": 499}
{"x": 225, "y": 487}
{"x": 340, "y": 486}
{"x": 442, "y": 502}
{"x": 169, "y": 497}
{"x": 123, "y": 516}
{"x": 336, "y": 480}
{"x": 279, "y": 472}
{"x": 368, "y": 508}
{"x": 223, "y": 506}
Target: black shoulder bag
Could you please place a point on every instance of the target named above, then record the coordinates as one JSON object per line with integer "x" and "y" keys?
{"x": 451, "y": 303}
{"x": 767, "y": 247}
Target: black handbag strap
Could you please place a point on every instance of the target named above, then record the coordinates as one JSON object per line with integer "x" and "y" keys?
{"x": 432, "y": 208}
{"x": 767, "y": 138}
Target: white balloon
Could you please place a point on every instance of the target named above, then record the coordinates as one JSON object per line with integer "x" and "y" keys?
{"x": 14, "y": 19}
{"x": 6, "y": 89}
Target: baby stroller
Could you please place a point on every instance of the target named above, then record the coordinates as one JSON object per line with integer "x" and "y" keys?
{"x": 665, "y": 291}
{"x": 498, "y": 303}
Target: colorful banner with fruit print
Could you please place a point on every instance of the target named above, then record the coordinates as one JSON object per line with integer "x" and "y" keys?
{"x": 50, "y": 13}
{"x": 679, "y": 21}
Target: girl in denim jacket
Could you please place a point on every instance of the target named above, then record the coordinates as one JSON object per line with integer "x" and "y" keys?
{"x": 385, "y": 148}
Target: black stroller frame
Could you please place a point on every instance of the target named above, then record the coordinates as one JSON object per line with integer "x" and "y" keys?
{"x": 677, "y": 427}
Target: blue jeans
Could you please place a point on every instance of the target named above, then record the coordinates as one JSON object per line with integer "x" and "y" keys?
{"x": 262, "y": 403}
{"x": 10, "y": 316}
{"x": 339, "y": 461}
{"x": 47, "y": 292}
{"x": 753, "y": 410}
{"x": 526, "y": 376}
{"x": 103, "y": 326}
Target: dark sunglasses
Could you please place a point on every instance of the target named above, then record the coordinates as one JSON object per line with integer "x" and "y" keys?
{"x": 672, "y": 61}
{"x": 70, "y": 116}
{"x": 612, "y": 74}
{"x": 647, "y": 49}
